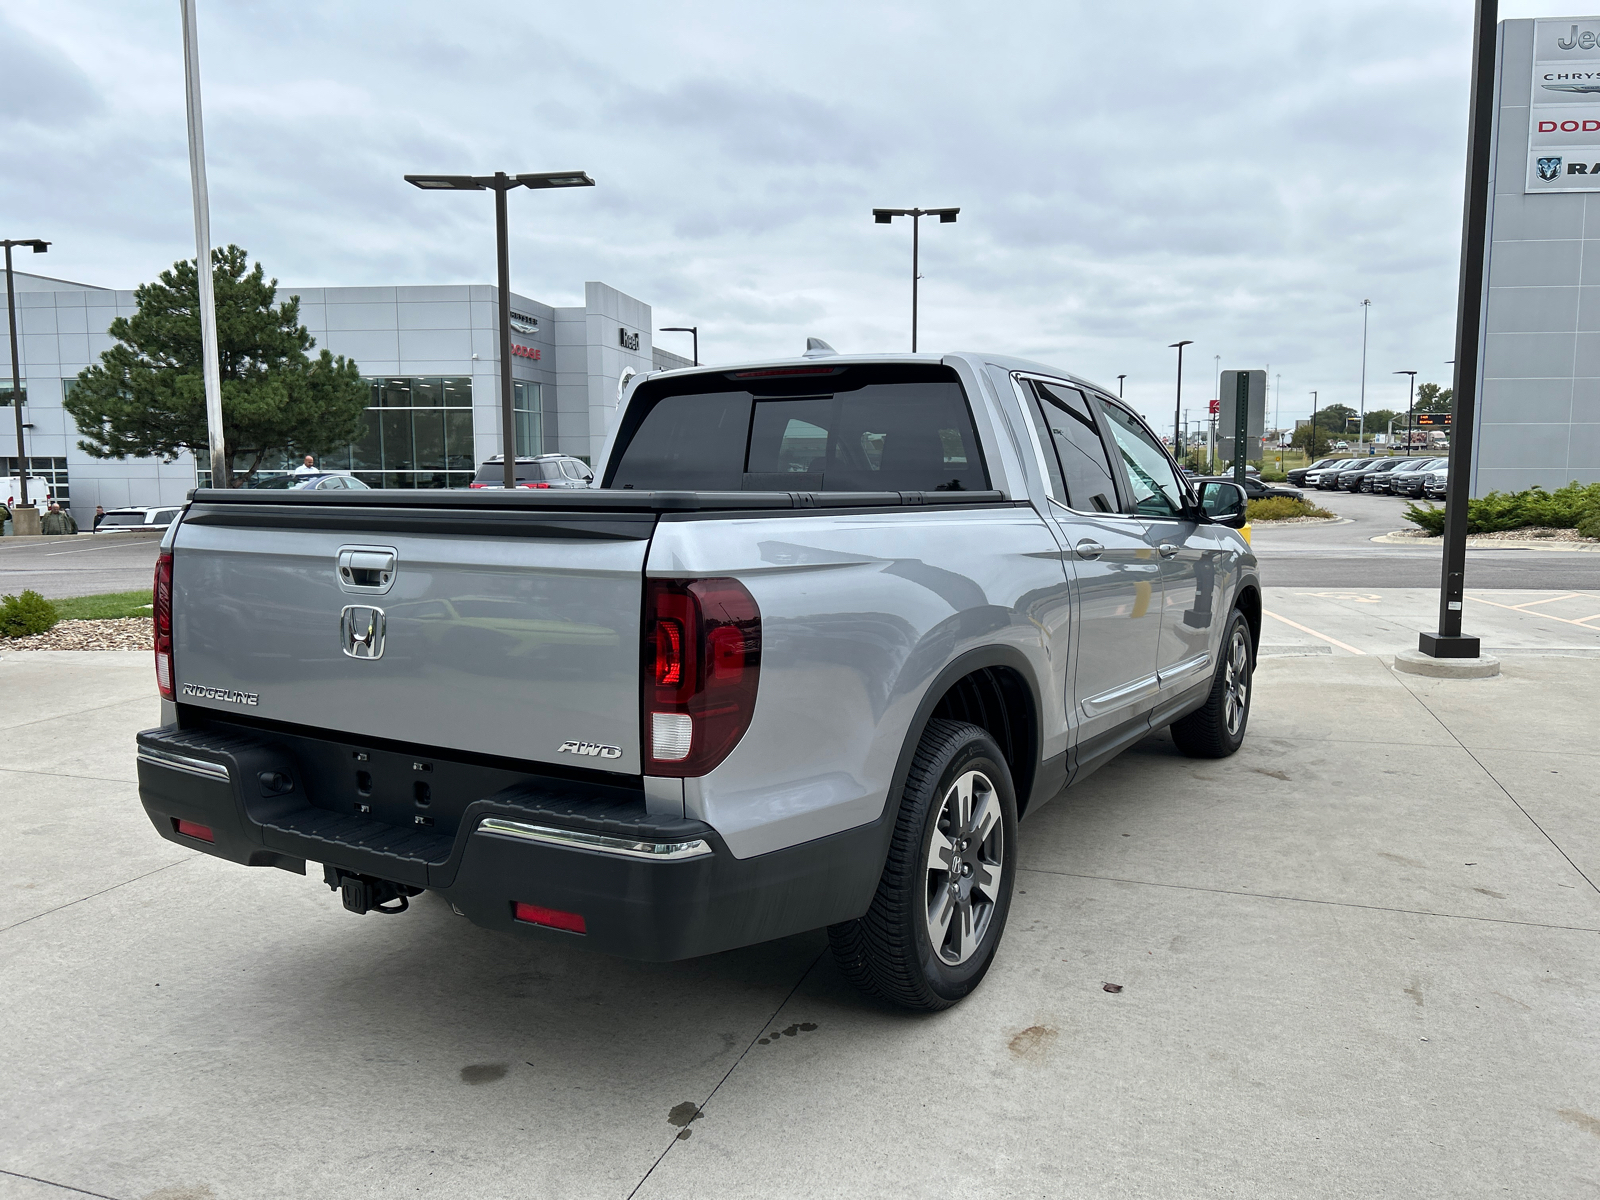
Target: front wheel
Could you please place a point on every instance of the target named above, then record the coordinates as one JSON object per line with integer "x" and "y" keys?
{"x": 1216, "y": 728}
{"x": 934, "y": 924}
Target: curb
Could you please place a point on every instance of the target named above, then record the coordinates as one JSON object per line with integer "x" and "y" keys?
{"x": 1392, "y": 539}
{"x": 1414, "y": 662}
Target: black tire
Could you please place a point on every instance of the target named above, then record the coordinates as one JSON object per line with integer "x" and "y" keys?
{"x": 889, "y": 953}
{"x": 1209, "y": 731}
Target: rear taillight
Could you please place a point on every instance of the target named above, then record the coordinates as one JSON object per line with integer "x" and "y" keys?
{"x": 161, "y": 608}
{"x": 192, "y": 829}
{"x": 533, "y": 485}
{"x": 550, "y": 918}
{"x": 702, "y": 649}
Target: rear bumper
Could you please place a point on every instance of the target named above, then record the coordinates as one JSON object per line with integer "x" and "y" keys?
{"x": 647, "y": 886}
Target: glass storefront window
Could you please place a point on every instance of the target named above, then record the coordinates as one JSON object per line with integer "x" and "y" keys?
{"x": 418, "y": 434}
{"x": 527, "y": 403}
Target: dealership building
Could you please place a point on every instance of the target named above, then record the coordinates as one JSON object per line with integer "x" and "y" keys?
{"x": 431, "y": 356}
{"x": 1538, "y": 416}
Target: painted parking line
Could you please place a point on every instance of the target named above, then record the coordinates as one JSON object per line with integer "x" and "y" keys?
{"x": 1580, "y": 622}
{"x": 1332, "y": 641}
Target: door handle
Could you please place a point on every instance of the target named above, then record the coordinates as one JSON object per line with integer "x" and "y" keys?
{"x": 1089, "y": 549}
{"x": 1167, "y": 549}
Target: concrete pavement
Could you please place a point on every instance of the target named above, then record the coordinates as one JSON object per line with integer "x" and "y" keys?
{"x": 1359, "y": 958}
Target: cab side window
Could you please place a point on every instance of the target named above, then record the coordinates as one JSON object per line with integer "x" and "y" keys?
{"x": 1067, "y": 427}
{"x": 1156, "y": 490}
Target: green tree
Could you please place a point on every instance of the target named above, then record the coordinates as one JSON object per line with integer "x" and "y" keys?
{"x": 146, "y": 396}
{"x": 1378, "y": 421}
{"x": 1302, "y": 439}
{"x": 1433, "y": 398}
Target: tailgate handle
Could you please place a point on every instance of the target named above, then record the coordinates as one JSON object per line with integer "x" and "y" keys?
{"x": 366, "y": 568}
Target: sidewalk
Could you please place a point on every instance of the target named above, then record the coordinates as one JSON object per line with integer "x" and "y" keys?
{"x": 1359, "y": 958}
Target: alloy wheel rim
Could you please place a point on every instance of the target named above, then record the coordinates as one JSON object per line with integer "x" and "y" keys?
{"x": 964, "y": 868}
{"x": 1236, "y": 683}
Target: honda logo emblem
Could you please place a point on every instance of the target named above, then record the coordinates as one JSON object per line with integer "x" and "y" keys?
{"x": 361, "y": 631}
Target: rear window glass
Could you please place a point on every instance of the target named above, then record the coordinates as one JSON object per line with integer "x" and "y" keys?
{"x": 493, "y": 472}
{"x": 862, "y": 429}
{"x": 122, "y": 519}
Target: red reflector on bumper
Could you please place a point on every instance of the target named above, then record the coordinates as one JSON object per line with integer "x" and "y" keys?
{"x": 190, "y": 829}
{"x": 550, "y": 917}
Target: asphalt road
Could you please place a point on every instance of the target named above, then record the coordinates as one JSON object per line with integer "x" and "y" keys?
{"x": 84, "y": 565}
{"x": 1344, "y": 555}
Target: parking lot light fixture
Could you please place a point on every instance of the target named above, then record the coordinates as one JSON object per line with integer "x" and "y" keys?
{"x": 1120, "y": 378}
{"x": 886, "y": 216}
{"x": 38, "y": 247}
{"x": 693, "y": 329}
{"x": 500, "y": 183}
{"x": 1411, "y": 401}
{"x": 1177, "y": 410}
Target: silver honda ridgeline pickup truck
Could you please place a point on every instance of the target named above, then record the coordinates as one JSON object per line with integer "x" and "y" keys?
{"x": 826, "y": 629}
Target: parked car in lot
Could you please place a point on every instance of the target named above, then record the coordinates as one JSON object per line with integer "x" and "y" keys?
{"x": 539, "y": 471}
{"x": 1368, "y": 481}
{"x": 137, "y": 520}
{"x": 1382, "y": 482}
{"x": 827, "y": 630}
{"x": 1434, "y": 482}
{"x": 308, "y": 481}
{"x": 1408, "y": 480}
{"x": 1328, "y": 478}
{"x": 1254, "y": 489}
{"x": 1349, "y": 479}
{"x": 1298, "y": 476}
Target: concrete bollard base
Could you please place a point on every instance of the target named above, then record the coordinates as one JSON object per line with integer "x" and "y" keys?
{"x": 25, "y": 521}
{"x": 1414, "y": 662}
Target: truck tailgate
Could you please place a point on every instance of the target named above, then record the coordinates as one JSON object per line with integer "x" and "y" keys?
{"x": 508, "y": 633}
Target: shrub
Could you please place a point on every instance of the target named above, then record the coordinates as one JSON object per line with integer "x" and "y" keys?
{"x": 1589, "y": 524}
{"x": 1429, "y": 518}
{"x": 1282, "y": 508}
{"x": 1564, "y": 508}
{"x": 26, "y": 614}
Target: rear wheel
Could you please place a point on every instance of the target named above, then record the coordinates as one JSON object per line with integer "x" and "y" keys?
{"x": 1216, "y": 728}
{"x": 941, "y": 905}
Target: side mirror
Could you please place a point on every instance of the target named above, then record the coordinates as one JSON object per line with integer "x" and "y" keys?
{"x": 1223, "y": 503}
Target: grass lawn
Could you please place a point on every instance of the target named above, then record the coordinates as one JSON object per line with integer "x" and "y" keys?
{"x": 104, "y": 606}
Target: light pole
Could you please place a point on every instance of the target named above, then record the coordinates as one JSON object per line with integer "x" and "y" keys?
{"x": 1361, "y": 429}
{"x": 1410, "y": 402}
{"x": 694, "y": 329}
{"x": 1277, "y": 419}
{"x": 1449, "y": 641}
{"x": 1311, "y": 446}
{"x": 884, "y": 216}
{"x": 1120, "y": 378}
{"x": 38, "y": 247}
{"x": 1177, "y": 408}
{"x": 501, "y": 183}
{"x": 210, "y": 366}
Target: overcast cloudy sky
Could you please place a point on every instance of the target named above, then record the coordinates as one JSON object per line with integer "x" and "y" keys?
{"x": 1242, "y": 174}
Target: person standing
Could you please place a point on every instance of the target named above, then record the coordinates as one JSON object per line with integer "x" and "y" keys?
{"x": 99, "y": 515}
{"x": 56, "y": 522}
{"x": 309, "y": 467}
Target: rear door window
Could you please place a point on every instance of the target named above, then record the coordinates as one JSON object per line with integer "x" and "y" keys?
{"x": 851, "y": 429}
{"x": 1085, "y": 470}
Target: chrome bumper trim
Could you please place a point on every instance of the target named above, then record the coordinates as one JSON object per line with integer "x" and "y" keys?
{"x": 179, "y": 762}
{"x": 578, "y": 839}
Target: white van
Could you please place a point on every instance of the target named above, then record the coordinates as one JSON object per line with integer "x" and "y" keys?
{"x": 39, "y": 493}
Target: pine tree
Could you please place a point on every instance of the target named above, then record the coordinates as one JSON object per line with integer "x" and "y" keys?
{"x": 146, "y": 396}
